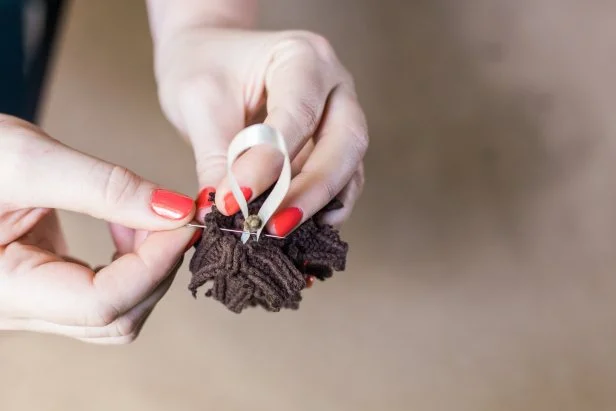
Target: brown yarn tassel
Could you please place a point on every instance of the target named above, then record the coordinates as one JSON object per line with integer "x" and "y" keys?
{"x": 270, "y": 273}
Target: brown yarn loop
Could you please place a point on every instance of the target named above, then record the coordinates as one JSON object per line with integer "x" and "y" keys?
{"x": 271, "y": 272}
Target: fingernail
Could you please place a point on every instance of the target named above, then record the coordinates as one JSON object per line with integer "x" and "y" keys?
{"x": 231, "y": 204}
{"x": 171, "y": 205}
{"x": 204, "y": 202}
{"x": 196, "y": 236}
{"x": 309, "y": 281}
{"x": 286, "y": 220}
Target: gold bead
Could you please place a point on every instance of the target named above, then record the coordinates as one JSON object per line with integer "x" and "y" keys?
{"x": 253, "y": 223}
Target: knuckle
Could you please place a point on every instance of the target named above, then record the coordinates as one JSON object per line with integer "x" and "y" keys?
{"x": 104, "y": 316}
{"x": 306, "y": 115}
{"x": 129, "y": 339}
{"x": 120, "y": 185}
{"x": 200, "y": 86}
{"x": 320, "y": 44}
{"x": 310, "y": 42}
{"x": 360, "y": 185}
{"x": 361, "y": 145}
{"x": 126, "y": 326}
{"x": 330, "y": 188}
{"x": 348, "y": 79}
{"x": 358, "y": 129}
{"x": 359, "y": 178}
{"x": 358, "y": 146}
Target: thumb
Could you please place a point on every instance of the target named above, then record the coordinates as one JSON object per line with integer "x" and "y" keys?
{"x": 47, "y": 174}
{"x": 212, "y": 115}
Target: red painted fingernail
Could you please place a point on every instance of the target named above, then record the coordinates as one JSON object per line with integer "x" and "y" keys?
{"x": 171, "y": 205}
{"x": 286, "y": 220}
{"x": 231, "y": 204}
{"x": 310, "y": 281}
{"x": 194, "y": 239}
{"x": 203, "y": 201}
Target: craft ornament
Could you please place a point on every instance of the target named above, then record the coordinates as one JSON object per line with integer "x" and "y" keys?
{"x": 255, "y": 135}
{"x": 270, "y": 271}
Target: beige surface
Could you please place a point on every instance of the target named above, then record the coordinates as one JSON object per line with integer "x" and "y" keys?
{"x": 482, "y": 266}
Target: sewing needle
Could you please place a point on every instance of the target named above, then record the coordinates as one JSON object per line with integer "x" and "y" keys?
{"x": 234, "y": 231}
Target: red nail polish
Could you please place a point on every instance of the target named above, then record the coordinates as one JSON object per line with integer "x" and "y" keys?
{"x": 171, "y": 205}
{"x": 286, "y": 220}
{"x": 196, "y": 236}
{"x": 310, "y": 281}
{"x": 203, "y": 200}
{"x": 231, "y": 204}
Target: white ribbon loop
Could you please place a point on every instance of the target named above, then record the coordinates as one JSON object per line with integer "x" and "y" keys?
{"x": 249, "y": 137}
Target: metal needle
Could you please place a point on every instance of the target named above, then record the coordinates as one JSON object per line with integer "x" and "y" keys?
{"x": 233, "y": 231}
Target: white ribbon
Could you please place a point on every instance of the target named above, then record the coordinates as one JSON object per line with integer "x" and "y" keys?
{"x": 249, "y": 137}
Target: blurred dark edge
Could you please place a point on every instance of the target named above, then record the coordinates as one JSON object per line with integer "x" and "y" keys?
{"x": 36, "y": 78}
{"x": 21, "y": 89}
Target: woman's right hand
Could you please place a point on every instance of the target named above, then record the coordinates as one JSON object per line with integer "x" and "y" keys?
{"x": 43, "y": 290}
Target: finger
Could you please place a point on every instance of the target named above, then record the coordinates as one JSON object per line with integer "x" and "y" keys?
{"x": 148, "y": 266}
{"x": 73, "y": 260}
{"x": 121, "y": 340}
{"x": 47, "y": 235}
{"x": 131, "y": 323}
{"x": 126, "y": 242}
{"x": 348, "y": 197}
{"x": 140, "y": 236}
{"x": 128, "y": 327}
{"x": 63, "y": 178}
{"x": 123, "y": 238}
{"x": 300, "y": 159}
{"x": 340, "y": 147}
{"x": 16, "y": 224}
{"x": 297, "y": 87}
{"x": 212, "y": 114}
{"x": 125, "y": 328}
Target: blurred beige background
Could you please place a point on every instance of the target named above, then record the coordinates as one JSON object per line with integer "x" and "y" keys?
{"x": 481, "y": 272}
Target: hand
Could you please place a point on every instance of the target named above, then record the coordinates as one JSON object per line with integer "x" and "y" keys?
{"x": 214, "y": 82}
{"x": 40, "y": 290}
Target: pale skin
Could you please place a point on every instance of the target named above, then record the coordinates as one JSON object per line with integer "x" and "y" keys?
{"x": 215, "y": 76}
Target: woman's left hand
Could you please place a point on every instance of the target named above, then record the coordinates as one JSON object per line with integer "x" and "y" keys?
{"x": 41, "y": 289}
{"x": 214, "y": 82}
